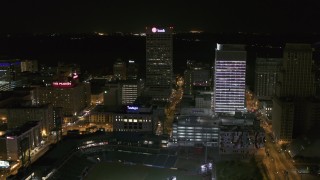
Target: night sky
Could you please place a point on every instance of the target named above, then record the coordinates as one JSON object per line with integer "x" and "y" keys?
{"x": 46, "y": 16}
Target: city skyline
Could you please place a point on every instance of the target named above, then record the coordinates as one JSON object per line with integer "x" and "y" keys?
{"x": 127, "y": 16}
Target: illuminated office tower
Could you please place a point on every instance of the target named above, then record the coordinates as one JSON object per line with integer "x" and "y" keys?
{"x": 159, "y": 62}
{"x": 229, "y": 78}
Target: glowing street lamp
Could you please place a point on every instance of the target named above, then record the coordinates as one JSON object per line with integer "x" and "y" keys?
{"x": 44, "y": 133}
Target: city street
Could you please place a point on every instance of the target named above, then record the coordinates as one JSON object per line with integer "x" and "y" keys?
{"x": 277, "y": 164}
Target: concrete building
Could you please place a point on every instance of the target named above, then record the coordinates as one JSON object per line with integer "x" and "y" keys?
{"x": 29, "y": 65}
{"x": 120, "y": 70}
{"x": 229, "y": 79}
{"x": 203, "y": 100}
{"x": 134, "y": 122}
{"x": 197, "y": 77}
{"x": 17, "y": 143}
{"x": 125, "y": 118}
{"x": 191, "y": 130}
{"x": 240, "y": 135}
{"x": 296, "y": 84}
{"x": 122, "y": 92}
{"x": 100, "y": 115}
{"x": 267, "y": 71}
{"x": 17, "y": 115}
{"x": 72, "y": 97}
{"x": 297, "y": 75}
{"x": 159, "y": 72}
{"x": 132, "y": 70}
{"x": 111, "y": 96}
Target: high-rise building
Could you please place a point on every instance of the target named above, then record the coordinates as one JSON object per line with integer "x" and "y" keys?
{"x": 197, "y": 77}
{"x": 132, "y": 70}
{"x": 229, "y": 78}
{"x": 159, "y": 71}
{"x": 282, "y": 118}
{"x": 296, "y": 84}
{"x": 267, "y": 72}
{"x": 122, "y": 92}
{"x": 72, "y": 97}
{"x": 120, "y": 70}
{"x": 297, "y": 77}
{"x": 17, "y": 115}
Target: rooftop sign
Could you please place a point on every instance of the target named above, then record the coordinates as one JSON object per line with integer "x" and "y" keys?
{"x": 62, "y": 84}
{"x": 154, "y": 30}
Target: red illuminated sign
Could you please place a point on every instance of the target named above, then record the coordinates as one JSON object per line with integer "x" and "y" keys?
{"x": 62, "y": 84}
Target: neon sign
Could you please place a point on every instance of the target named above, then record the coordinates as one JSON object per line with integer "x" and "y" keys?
{"x": 62, "y": 84}
{"x": 154, "y": 30}
{"x": 132, "y": 108}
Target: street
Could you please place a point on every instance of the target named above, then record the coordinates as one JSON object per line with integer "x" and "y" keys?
{"x": 278, "y": 165}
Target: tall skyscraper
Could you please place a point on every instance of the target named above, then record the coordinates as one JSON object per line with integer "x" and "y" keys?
{"x": 159, "y": 71}
{"x": 132, "y": 70}
{"x": 197, "y": 77}
{"x": 267, "y": 72}
{"x": 229, "y": 78}
{"x": 297, "y": 77}
{"x": 120, "y": 70}
{"x": 296, "y": 83}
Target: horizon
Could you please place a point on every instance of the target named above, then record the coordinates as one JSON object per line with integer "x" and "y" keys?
{"x": 127, "y": 16}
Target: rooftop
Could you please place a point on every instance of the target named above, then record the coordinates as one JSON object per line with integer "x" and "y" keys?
{"x": 22, "y": 129}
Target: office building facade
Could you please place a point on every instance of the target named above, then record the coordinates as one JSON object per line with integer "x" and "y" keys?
{"x": 229, "y": 78}
{"x": 71, "y": 97}
{"x": 296, "y": 84}
{"x": 159, "y": 71}
{"x": 197, "y": 78}
{"x": 267, "y": 71}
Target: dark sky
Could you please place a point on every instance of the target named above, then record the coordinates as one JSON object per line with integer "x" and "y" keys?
{"x": 133, "y": 15}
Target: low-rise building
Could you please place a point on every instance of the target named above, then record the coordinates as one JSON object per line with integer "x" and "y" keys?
{"x": 125, "y": 118}
{"x": 17, "y": 143}
{"x": 240, "y": 136}
{"x": 189, "y": 130}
